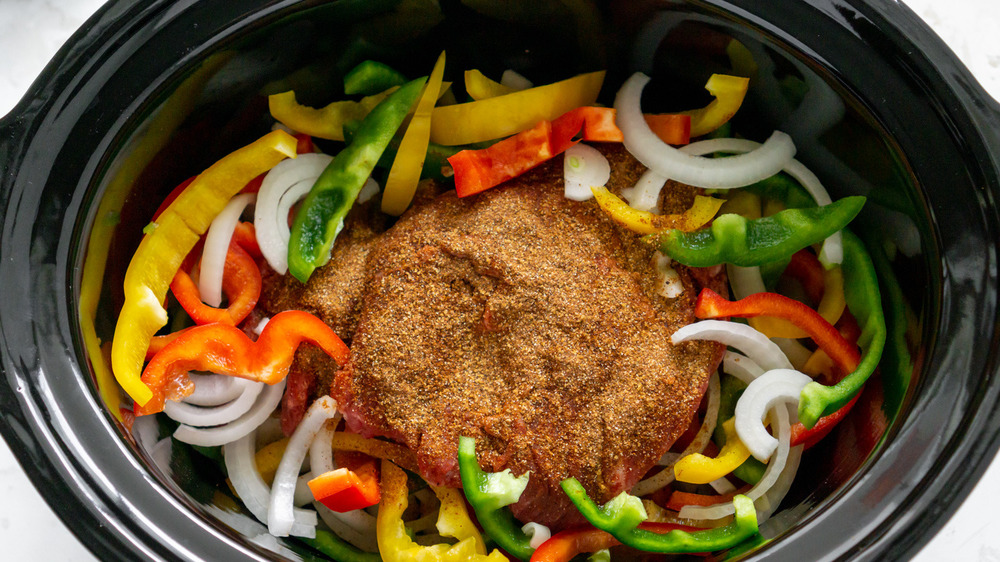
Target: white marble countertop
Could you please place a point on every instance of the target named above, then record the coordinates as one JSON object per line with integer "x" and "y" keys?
{"x": 30, "y": 33}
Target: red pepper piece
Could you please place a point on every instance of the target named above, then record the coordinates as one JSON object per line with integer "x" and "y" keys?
{"x": 843, "y": 352}
{"x": 805, "y": 268}
{"x": 346, "y": 489}
{"x": 226, "y": 350}
{"x": 680, "y": 499}
{"x": 564, "y": 545}
{"x": 245, "y": 236}
{"x": 241, "y": 281}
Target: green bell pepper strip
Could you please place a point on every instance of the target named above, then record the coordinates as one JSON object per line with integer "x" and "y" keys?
{"x": 621, "y": 517}
{"x": 733, "y": 239}
{"x": 864, "y": 300}
{"x": 371, "y": 77}
{"x": 436, "y": 164}
{"x": 334, "y": 547}
{"x": 496, "y": 521}
{"x": 321, "y": 215}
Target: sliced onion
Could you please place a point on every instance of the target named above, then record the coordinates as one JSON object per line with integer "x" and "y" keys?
{"x": 772, "y": 498}
{"x": 365, "y": 540}
{"x": 241, "y": 466}
{"x": 741, "y": 366}
{"x": 213, "y": 257}
{"x": 282, "y": 187}
{"x": 697, "y": 171}
{"x": 266, "y": 402}
{"x": 515, "y": 81}
{"x": 584, "y": 167}
{"x": 213, "y": 390}
{"x": 645, "y": 194}
{"x": 745, "y": 281}
{"x": 722, "y": 486}
{"x": 752, "y": 343}
{"x": 217, "y": 415}
{"x": 832, "y": 251}
{"x": 773, "y": 387}
{"x": 537, "y": 532}
{"x": 281, "y": 513}
{"x": 303, "y": 493}
{"x": 697, "y": 445}
{"x": 369, "y": 190}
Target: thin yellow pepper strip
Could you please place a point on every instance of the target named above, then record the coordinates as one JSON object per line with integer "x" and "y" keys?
{"x": 172, "y": 236}
{"x": 395, "y": 545}
{"x": 831, "y": 307}
{"x": 502, "y": 116}
{"x": 702, "y": 211}
{"x": 479, "y": 87}
{"x": 268, "y": 458}
{"x": 729, "y": 92}
{"x": 398, "y": 454}
{"x": 699, "y": 469}
{"x": 326, "y": 122}
{"x": 405, "y": 172}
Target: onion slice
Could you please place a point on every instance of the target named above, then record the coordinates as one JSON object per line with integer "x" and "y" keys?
{"x": 282, "y": 187}
{"x": 214, "y": 390}
{"x": 584, "y": 167}
{"x": 266, "y": 402}
{"x": 773, "y": 387}
{"x": 217, "y": 415}
{"x": 281, "y": 516}
{"x": 741, "y": 366}
{"x": 213, "y": 257}
{"x": 752, "y": 343}
{"x": 241, "y": 466}
{"x": 645, "y": 194}
{"x": 697, "y": 171}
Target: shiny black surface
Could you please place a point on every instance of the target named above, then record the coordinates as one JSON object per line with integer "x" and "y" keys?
{"x": 905, "y": 97}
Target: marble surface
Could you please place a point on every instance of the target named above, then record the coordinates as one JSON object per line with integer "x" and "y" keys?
{"x": 30, "y": 33}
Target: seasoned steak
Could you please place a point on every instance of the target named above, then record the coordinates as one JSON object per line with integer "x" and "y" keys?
{"x": 532, "y": 323}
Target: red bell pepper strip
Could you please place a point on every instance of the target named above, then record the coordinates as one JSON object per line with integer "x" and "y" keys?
{"x": 346, "y": 489}
{"x": 844, "y": 353}
{"x": 805, "y": 268}
{"x": 680, "y": 499}
{"x": 479, "y": 170}
{"x": 245, "y": 236}
{"x": 226, "y": 350}
{"x": 241, "y": 281}
{"x": 564, "y": 545}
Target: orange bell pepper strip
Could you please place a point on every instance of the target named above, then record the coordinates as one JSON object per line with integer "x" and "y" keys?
{"x": 564, "y": 545}
{"x": 241, "y": 281}
{"x": 346, "y": 489}
{"x": 169, "y": 240}
{"x": 226, "y": 350}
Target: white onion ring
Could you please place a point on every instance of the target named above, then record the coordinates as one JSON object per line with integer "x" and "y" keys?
{"x": 771, "y": 388}
{"x": 365, "y": 540}
{"x": 198, "y": 416}
{"x": 537, "y": 532}
{"x": 741, "y": 366}
{"x": 282, "y": 187}
{"x": 281, "y": 517}
{"x": 213, "y": 257}
{"x": 772, "y": 498}
{"x": 752, "y": 343}
{"x": 213, "y": 389}
{"x": 584, "y": 167}
{"x": 266, "y": 402}
{"x": 832, "y": 251}
{"x": 745, "y": 281}
{"x": 645, "y": 194}
{"x": 697, "y": 171}
{"x": 241, "y": 466}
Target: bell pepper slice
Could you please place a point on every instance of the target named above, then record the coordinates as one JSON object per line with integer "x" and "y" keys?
{"x": 678, "y": 500}
{"x": 481, "y": 492}
{"x": 621, "y": 518}
{"x": 226, "y": 350}
{"x": 502, "y": 116}
{"x": 346, "y": 489}
{"x": 564, "y": 545}
{"x": 326, "y": 122}
{"x": 830, "y": 307}
{"x": 702, "y": 211}
{"x": 453, "y": 521}
{"x": 479, "y": 87}
{"x": 729, "y": 92}
{"x": 735, "y": 240}
{"x": 241, "y": 282}
{"x": 700, "y": 469}
{"x": 162, "y": 250}
{"x": 371, "y": 77}
{"x": 321, "y": 215}
{"x": 408, "y": 165}
{"x": 398, "y": 454}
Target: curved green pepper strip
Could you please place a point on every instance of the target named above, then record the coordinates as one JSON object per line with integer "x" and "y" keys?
{"x": 733, "y": 239}
{"x": 620, "y": 517}
{"x": 865, "y": 302}
{"x": 496, "y": 521}
{"x": 336, "y": 548}
{"x": 321, "y": 215}
{"x": 371, "y": 77}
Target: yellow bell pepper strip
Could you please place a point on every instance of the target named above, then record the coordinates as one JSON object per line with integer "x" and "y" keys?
{"x": 699, "y": 469}
{"x": 174, "y": 234}
{"x": 406, "y": 168}
{"x": 268, "y": 458}
{"x": 371, "y": 77}
{"x": 729, "y": 92}
{"x": 502, "y": 116}
{"x": 395, "y": 545}
{"x": 622, "y": 516}
{"x": 702, "y": 211}
{"x": 398, "y": 454}
{"x": 321, "y": 215}
{"x": 226, "y": 350}
{"x": 479, "y": 87}
{"x": 326, "y": 122}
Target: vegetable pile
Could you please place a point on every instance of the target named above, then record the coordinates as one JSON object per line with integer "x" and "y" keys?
{"x": 793, "y": 370}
